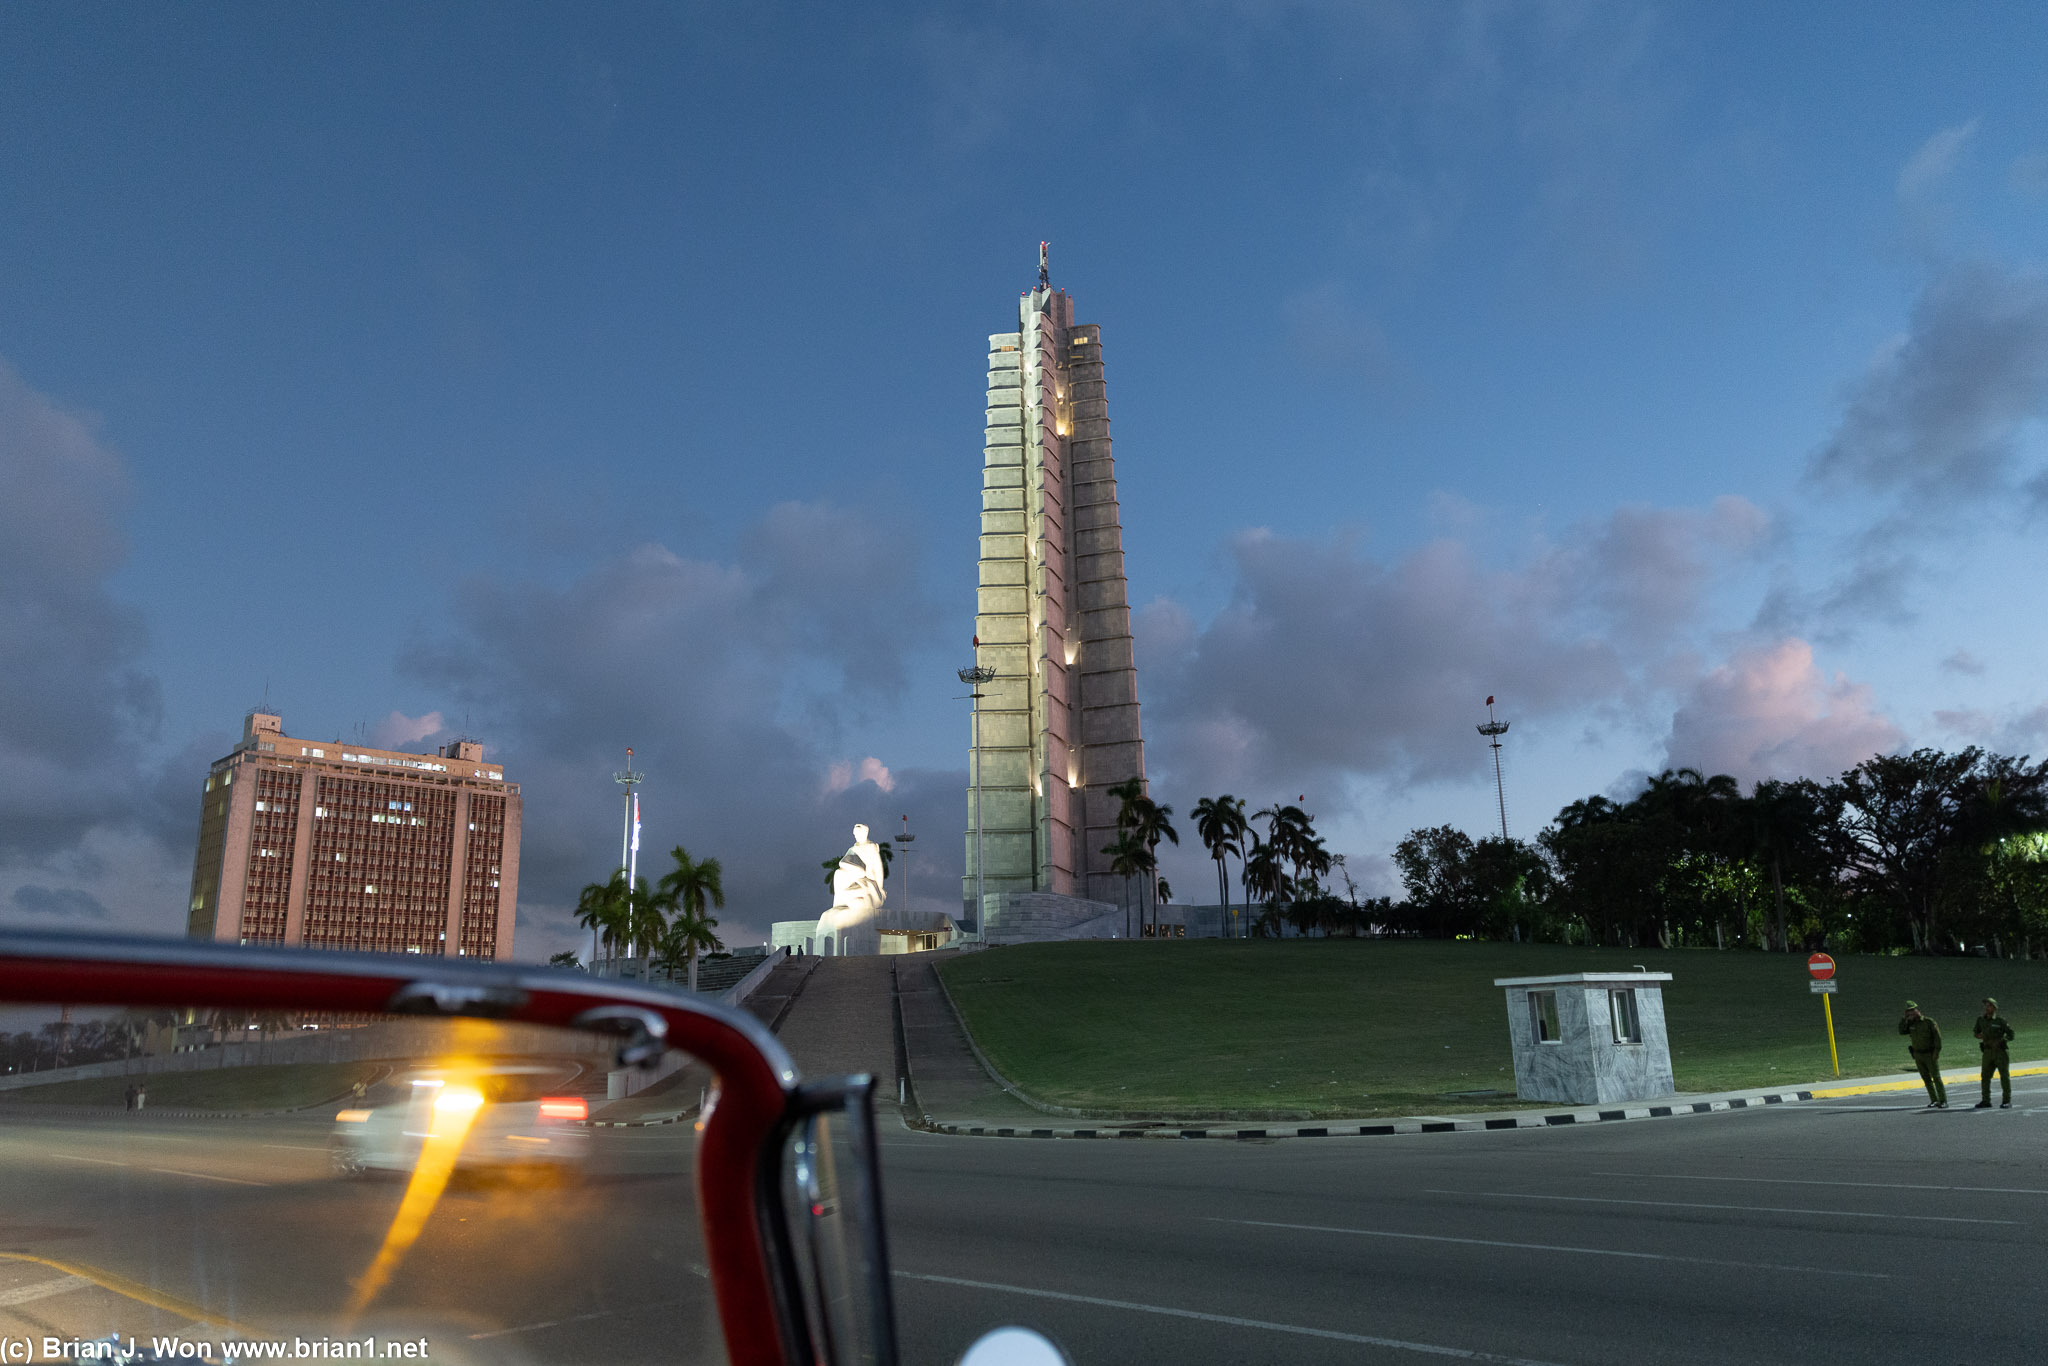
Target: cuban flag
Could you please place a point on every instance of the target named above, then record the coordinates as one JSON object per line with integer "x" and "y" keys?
{"x": 636, "y": 822}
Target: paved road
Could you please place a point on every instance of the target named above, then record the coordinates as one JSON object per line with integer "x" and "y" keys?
{"x": 1854, "y": 1231}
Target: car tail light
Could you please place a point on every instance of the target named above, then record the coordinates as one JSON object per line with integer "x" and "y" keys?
{"x": 564, "y": 1107}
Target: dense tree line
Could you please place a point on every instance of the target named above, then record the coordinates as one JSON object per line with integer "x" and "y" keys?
{"x": 1930, "y": 851}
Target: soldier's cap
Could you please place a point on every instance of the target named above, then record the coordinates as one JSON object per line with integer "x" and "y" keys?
{"x": 1991, "y": 1001}
{"x": 1912, "y": 1005}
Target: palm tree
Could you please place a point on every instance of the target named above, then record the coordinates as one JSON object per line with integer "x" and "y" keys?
{"x": 1264, "y": 878}
{"x": 688, "y": 935}
{"x": 1220, "y": 823}
{"x": 603, "y": 909}
{"x": 647, "y": 914}
{"x": 693, "y": 886}
{"x": 1126, "y": 860}
{"x": 1151, "y": 823}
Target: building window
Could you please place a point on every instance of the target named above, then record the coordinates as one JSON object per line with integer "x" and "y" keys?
{"x": 1543, "y": 1017}
{"x": 1621, "y": 1011}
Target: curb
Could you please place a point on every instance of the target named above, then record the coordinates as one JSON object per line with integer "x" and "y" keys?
{"x": 1958, "y": 1077}
{"x": 1400, "y": 1126}
{"x": 634, "y": 1123}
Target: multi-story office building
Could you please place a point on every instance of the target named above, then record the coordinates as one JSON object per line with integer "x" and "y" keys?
{"x": 1058, "y": 723}
{"x": 338, "y": 846}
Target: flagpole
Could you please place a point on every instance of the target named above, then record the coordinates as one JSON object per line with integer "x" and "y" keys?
{"x": 629, "y": 842}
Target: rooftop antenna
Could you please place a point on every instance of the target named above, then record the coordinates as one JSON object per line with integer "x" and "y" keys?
{"x": 1044, "y": 265}
{"x": 1493, "y": 730}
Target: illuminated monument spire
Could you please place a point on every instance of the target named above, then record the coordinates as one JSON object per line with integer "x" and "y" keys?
{"x": 1059, "y": 722}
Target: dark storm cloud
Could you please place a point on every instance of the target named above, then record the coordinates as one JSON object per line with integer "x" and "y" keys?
{"x": 1327, "y": 663}
{"x": 717, "y": 674}
{"x": 75, "y": 705}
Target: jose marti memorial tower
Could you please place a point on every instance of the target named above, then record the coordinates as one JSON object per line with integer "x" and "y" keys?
{"x": 1058, "y": 724}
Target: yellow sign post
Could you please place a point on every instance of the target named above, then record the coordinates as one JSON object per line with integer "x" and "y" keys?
{"x": 1822, "y": 969}
{"x": 1827, "y": 1005}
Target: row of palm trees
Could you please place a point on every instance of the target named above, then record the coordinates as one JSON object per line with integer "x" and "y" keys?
{"x": 1287, "y": 865}
{"x": 671, "y": 920}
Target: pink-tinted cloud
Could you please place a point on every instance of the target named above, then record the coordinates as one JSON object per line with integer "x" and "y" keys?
{"x": 1770, "y": 712}
{"x": 841, "y": 776}
{"x": 398, "y": 730}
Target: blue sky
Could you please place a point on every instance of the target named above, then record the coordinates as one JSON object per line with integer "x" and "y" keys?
{"x": 612, "y": 377}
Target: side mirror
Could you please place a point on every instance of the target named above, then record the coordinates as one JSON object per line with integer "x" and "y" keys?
{"x": 829, "y": 1238}
{"x": 1014, "y": 1346}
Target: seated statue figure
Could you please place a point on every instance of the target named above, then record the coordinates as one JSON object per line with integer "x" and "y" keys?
{"x": 857, "y": 897}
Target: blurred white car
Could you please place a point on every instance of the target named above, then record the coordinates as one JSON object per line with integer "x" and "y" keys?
{"x": 488, "y": 1119}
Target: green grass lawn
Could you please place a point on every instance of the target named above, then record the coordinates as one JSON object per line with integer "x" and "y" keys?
{"x": 282, "y": 1087}
{"x": 1361, "y": 1027}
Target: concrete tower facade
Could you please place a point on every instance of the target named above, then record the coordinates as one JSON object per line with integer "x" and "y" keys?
{"x": 1058, "y": 725}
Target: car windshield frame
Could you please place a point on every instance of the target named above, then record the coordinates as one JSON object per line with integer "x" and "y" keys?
{"x": 739, "y": 1137}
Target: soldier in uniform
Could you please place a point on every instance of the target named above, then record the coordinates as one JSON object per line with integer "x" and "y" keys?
{"x": 1993, "y": 1034}
{"x": 1923, "y": 1041}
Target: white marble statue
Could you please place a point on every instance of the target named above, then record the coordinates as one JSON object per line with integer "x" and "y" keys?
{"x": 857, "y": 897}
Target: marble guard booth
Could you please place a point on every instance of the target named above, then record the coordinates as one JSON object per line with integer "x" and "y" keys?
{"x": 1589, "y": 1038}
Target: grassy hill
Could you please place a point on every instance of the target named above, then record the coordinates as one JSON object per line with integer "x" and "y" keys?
{"x": 1362, "y": 1027}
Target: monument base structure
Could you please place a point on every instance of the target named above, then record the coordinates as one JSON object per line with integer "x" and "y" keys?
{"x": 889, "y": 932}
{"x": 858, "y": 923}
{"x": 1056, "y": 729}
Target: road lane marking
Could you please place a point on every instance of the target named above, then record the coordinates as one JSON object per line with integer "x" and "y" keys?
{"x": 1555, "y": 1247}
{"x": 167, "y": 1171}
{"x": 1232, "y": 1320}
{"x": 1859, "y": 1185}
{"x": 296, "y": 1147}
{"x": 1748, "y": 1209}
{"x": 134, "y": 1290}
{"x": 202, "y": 1176}
{"x": 42, "y": 1290}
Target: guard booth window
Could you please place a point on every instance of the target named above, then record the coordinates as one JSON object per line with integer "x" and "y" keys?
{"x": 1621, "y": 1009}
{"x": 1543, "y": 1017}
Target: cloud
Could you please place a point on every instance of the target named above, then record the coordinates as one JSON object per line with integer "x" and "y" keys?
{"x": 842, "y": 776}
{"x": 735, "y": 682}
{"x": 2021, "y": 732}
{"x": 76, "y": 706}
{"x": 1932, "y": 162}
{"x": 398, "y": 730}
{"x": 1329, "y": 335}
{"x": 63, "y": 903}
{"x": 1769, "y": 712}
{"x": 1327, "y": 664}
{"x": 1931, "y": 435}
{"x": 1963, "y": 662}
{"x": 1937, "y": 417}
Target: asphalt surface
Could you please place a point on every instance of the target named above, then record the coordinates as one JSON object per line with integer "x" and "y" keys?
{"x": 1862, "y": 1230}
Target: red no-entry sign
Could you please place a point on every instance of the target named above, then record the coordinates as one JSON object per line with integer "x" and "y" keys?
{"x": 1821, "y": 966}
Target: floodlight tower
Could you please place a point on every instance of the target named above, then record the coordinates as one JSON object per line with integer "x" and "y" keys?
{"x": 903, "y": 843}
{"x": 974, "y": 678}
{"x": 1493, "y": 730}
{"x": 629, "y": 842}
